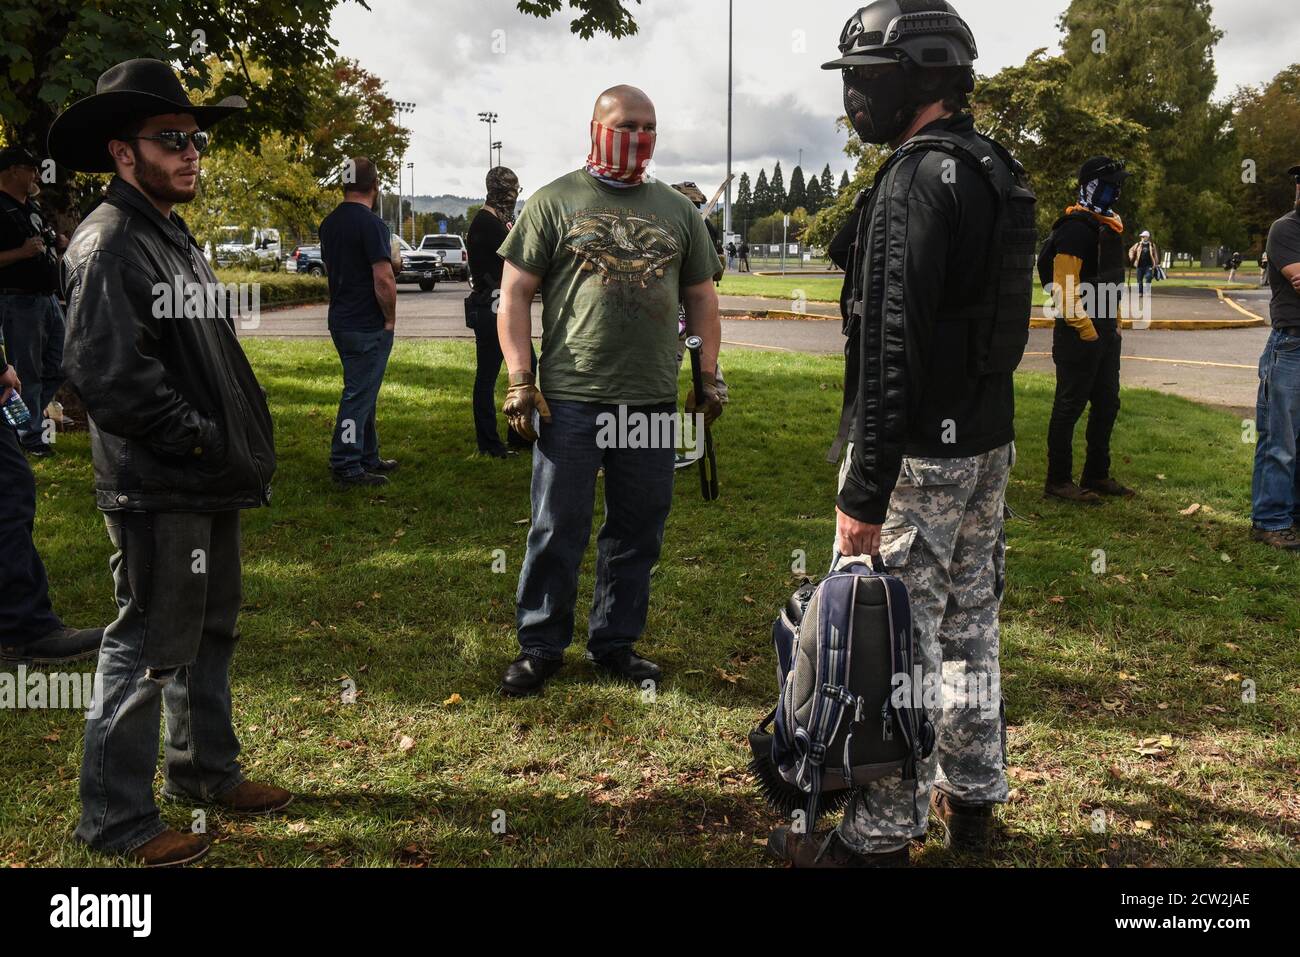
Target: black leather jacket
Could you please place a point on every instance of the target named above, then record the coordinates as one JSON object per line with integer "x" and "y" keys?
{"x": 178, "y": 420}
{"x": 920, "y": 260}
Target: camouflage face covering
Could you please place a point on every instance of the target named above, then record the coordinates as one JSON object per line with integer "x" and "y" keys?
{"x": 502, "y": 191}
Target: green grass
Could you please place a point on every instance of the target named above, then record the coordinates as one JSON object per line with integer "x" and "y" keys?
{"x": 812, "y": 288}
{"x": 397, "y": 592}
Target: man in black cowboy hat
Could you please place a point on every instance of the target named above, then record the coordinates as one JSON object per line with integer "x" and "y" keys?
{"x": 181, "y": 439}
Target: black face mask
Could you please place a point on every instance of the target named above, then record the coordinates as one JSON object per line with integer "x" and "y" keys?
{"x": 878, "y": 108}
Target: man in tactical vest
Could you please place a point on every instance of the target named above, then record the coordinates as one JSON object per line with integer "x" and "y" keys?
{"x": 1083, "y": 264}
{"x": 939, "y": 319}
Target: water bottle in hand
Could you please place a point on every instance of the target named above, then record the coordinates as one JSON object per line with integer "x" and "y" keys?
{"x": 16, "y": 412}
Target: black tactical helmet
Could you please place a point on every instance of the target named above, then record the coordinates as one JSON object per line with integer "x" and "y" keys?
{"x": 927, "y": 32}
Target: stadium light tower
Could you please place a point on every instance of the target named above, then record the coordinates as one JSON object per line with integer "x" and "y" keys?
{"x": 489, "y": 119}
{"x": 400, "y": 107}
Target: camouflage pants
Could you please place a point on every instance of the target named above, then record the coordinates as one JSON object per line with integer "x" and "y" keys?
{"x": 943, "y": 537}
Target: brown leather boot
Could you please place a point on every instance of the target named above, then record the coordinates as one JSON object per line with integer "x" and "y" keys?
{"x": 1287, "y": 540}
{"x": 1071, "y": 493}
{"x": 967, "y": 828}
{"x": 809, "y": 850}
{"x": 170, "y": 849}
{"x": 1108, "y": 486}
{"x": 253, "y": 798}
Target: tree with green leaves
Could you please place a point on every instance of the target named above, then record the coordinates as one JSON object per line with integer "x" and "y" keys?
{"x": 1266, "y": 119}
{"x": 844, "y": 181}
{"x": 1151, "y": 62}
{"x": 815, "y": 199}
{"x": 743, "y": 208}
{"x": 763, "y": 203}
{"x": 828, "y": 184}
{"x": 780, "y": 201}
{"x": 594, "y": 16}
{"x": 798, "y": 195}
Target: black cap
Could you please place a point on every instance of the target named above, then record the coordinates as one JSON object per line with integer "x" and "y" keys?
{"x": 1293, "y": 171}
{"x": 1103, "y": 168}
{"x": 17, "y": 156}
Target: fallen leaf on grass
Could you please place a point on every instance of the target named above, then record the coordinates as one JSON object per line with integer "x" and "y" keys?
{"x": 1142, "y": 825}
{"x": 406, "y": 744}
{"x": 454, "y": 699}
{"x": 1191, "y": 509}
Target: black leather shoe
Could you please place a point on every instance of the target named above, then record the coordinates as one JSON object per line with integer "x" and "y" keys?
{"x": 810, "y": 850}
{"x": 527, "y": 674}
{"x": 383, "y": 467}
{"x": 361, "y": 478}
{"x": 56, "y": 648}
{"x": 628, "y": 664}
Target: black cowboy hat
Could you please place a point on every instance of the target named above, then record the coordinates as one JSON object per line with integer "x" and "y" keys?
{"x": 1293, "y": 171}
{"x": 131, "y": 90}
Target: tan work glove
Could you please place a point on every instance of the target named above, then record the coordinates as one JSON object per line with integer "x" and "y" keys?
{"x": 712, "y": 404}
{"x": 522, "y": 398}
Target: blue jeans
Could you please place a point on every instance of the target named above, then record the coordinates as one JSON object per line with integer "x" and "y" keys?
{"x": 1275, "y": 491}
{"x": 1144, "y": 274}
{"x": 365, "y": 357}
{"x": 33, "y": 335}
{"x": 171, "y": 644}
{"x": 25, "y": 612}
{"x": 638, "y": 497}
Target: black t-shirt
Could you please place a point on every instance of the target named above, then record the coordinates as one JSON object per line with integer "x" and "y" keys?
{"x": 1283, "y": 251}
{"x": 18, "y": 223}
{"x": 352, "y": 240}
{"x": 1145, "y": 261}
{"x": 486, "y": 234}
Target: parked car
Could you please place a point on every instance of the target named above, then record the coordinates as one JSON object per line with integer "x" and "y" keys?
{"x": 423, "y": 266}
{"x": 249, "y": 247}
{"x": 455, "y": 256}
{"x": 305, "y": 259}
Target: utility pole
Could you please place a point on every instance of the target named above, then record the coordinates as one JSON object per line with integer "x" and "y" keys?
{"x": 497, "y": 146}
{"x": 726, "y": 218}
{"x": 411, "y": 167}
{"x": 401, "y": 106}
{"x": 489, "y": 118}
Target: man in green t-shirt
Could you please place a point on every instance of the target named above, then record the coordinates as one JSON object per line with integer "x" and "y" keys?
{"x": 613, "y": 254}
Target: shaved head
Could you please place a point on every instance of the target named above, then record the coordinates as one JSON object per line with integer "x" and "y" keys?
{"x": 625, "y": 107}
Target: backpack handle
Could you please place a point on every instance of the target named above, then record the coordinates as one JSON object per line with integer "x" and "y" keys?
{"x": 876, "y": 560}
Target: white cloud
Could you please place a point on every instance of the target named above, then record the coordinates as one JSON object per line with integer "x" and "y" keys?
{"x": 440, "y": 53}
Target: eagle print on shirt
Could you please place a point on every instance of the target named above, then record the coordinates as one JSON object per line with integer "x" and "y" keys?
{"x": 621, "y": 247}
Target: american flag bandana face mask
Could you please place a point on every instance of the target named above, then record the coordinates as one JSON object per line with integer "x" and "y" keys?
{"x": 619, "y": 154}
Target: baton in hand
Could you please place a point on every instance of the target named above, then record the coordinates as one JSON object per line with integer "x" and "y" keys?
{"x": 708, "y": 461}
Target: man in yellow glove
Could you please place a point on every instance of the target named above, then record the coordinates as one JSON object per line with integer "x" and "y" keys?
{"x": 613, "y": 253}
{"x": 1083, "y": 265}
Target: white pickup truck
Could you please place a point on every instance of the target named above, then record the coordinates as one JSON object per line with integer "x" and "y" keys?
{"x": 248, "y": 247}
{"x": 455, "y": 257}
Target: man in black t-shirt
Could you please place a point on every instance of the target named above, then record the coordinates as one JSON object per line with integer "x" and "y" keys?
{"x": 362, "y": 269}
{"x": 1275, "y": 491}
{"x": 487, "y": 232}
{"x": 29, "y": 275}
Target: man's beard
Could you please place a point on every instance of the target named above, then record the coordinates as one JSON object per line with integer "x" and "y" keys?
{"x": 155, "y": 183}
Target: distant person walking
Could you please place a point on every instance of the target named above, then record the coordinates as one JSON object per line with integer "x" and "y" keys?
{"x": 731, "y": 255}
{"x": 1275, "y": 492}
{"x": 487, "y": 232}
{"x": 744, "y": 256}
{"x": 1144, "y": 256}
{"x": 1263, "y": 268}
{"x": 1234, "y": 263}
{"x": 362, "y": 268}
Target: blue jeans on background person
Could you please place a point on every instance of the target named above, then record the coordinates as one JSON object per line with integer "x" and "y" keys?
{"x": 355, "y": 447}
{"x": 638, "y": 497}
{"x": 34, "y": 331}
{"x": 1275, "y": 492}
{"x": 171, "y": 646}
{"x": 1144, "y": 276}
{"x": 25, "y": 612}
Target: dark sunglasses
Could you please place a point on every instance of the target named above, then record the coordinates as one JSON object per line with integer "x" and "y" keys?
{"x": 177, "y": 140}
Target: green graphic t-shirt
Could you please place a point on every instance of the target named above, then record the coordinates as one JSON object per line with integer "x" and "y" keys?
{"x": 613, "y": 263}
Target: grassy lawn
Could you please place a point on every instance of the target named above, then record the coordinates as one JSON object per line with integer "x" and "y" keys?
{"x": 1123, "y": 687}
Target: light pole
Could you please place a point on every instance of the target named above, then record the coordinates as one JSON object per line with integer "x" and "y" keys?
{"x": 726, "y": 216}
{"x": 400, "y": 107}
{"x": 488, "y": 118}
{"x": 411, "y": 167}
{"x": 497, "y": 146}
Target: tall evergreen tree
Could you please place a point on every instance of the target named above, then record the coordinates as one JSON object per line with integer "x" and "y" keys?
{"x": 828, "y": 184}
{"x": 762, "y": 196}
{"x": 844, "y": 181}
{"x": 798, "y": 191}
{"x": 780, "y": 201}
{"x": 815, "y": 199}
{"x": 742, "y": 210}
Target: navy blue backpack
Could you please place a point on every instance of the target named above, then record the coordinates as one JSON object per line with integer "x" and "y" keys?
{"x": 844, "y": 717}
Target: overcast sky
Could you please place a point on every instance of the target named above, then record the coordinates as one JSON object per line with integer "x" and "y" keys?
{"x": 456, "y": 58}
